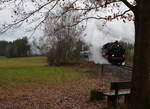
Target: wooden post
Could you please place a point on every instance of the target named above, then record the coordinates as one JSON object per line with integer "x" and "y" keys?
{"x": 111, "y": 100}
{"x": 102, "y": 69}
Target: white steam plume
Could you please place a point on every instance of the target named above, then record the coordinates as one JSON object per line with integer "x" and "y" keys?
{"x": 98, "y": 34}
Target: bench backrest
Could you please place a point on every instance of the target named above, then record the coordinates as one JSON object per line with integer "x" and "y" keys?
{"x": 120, "y": 85}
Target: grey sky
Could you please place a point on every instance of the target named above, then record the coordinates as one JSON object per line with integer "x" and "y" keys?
{"x": 97, "y": 35}
{"x": 116, "y": 28}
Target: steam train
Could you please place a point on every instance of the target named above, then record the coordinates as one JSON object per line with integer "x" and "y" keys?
{"x": 114, "y": 53}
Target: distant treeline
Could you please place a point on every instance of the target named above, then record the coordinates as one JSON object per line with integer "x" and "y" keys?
{"x": 17, "y": 48}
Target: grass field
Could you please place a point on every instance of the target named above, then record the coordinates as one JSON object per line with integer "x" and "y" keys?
{"x": 29, "y": 83}
{"x": 33, "y": 71}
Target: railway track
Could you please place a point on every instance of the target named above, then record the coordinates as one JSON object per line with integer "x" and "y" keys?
{"x": 123, "y": 72}
{"x": 126, "y": 67}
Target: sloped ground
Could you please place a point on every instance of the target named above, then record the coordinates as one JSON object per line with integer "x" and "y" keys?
{"x": 73, "y": 93}
{"x": 69, "y": 95}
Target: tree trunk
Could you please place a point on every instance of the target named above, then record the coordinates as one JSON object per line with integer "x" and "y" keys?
{"x": 141, "y": 71}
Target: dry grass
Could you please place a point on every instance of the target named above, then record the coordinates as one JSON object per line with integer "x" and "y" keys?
{"x": 74, "y": 94}
{"x": 26, "y": 83}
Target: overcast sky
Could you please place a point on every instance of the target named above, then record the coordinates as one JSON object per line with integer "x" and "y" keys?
{"x": 96, "y": 34}
{"x": 112, "y": 30}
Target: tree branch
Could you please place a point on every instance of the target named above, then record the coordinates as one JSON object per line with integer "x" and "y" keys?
{"x": 97, "y": 18}
{"x": 29, "y": 15}
{"x": 131, "y": 7}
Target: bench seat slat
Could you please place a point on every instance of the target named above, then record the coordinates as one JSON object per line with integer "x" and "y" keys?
{"x": 120, "y": 85}
{"x": 119, "y": 93}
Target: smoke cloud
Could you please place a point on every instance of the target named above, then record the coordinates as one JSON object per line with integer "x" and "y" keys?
{"x": 100, "y": 32}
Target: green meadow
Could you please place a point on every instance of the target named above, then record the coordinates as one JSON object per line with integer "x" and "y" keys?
{"x": 33, "y": 71}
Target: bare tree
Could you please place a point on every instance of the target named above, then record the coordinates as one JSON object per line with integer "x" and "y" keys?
{"x": 64, "y": 43}
{"x": 140, "y": 9}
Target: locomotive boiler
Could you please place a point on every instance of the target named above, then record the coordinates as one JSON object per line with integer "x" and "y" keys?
{"x": 114, "y": 53}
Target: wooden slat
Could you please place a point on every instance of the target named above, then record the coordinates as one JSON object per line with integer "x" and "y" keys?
{"x": 120, "y": 85}
{"x": 126, "y": 92}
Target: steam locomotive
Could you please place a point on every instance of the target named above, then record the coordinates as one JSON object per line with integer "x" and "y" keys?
{"x": 114, "y": 53}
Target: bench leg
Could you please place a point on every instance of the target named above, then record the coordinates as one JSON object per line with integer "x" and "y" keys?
{"x": 127, "y": 99}
{"x": 112, "y": 100}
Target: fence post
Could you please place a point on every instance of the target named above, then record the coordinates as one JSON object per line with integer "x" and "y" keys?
{"x": 102, "y": 69}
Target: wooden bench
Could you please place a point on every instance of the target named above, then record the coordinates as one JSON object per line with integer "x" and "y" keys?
{"x": 118, "y": 89}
